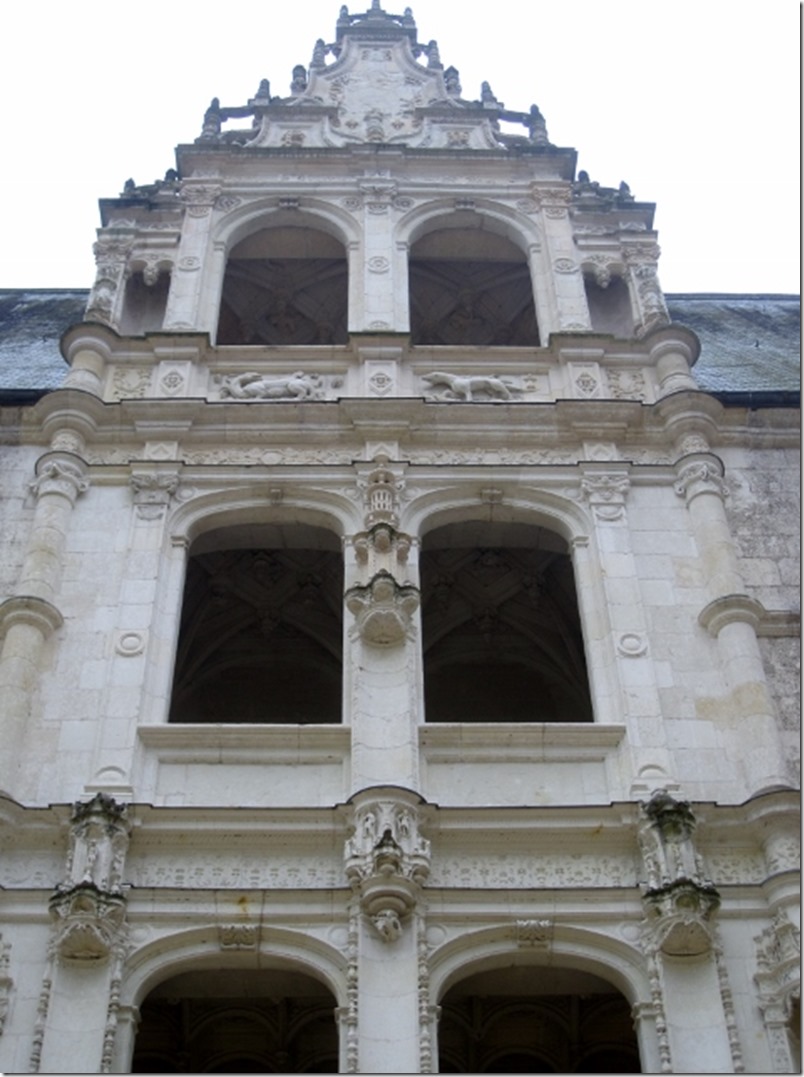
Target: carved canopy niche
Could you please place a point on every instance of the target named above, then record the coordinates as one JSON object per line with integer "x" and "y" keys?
{"x": 502, "y": 633}
{"x": 469, "y": 285}
{"x": 260, "y": 635}
{"x": 285, "y": 285}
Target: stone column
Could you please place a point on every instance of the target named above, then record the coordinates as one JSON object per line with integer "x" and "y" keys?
{"x": 381, "y": 656}
{"x": 387, "y": 861}
{"x": 650, "y": 309}
{"x": 29, "y": 617}
{"x": 732, "y": 617}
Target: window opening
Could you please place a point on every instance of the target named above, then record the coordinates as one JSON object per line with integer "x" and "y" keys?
{"x": 501, "y": 628}
{"x": 285, "y": 286}
{"x": 260, "y": 634}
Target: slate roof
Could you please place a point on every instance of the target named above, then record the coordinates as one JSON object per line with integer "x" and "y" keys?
{"x": 750, "y": 344}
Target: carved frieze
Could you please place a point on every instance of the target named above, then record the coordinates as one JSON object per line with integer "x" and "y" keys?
{"x": 255, "y": 386}
{"x": 466, "y": 387}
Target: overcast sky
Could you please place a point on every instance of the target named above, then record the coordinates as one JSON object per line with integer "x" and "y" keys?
{"x": 695, "y": 103}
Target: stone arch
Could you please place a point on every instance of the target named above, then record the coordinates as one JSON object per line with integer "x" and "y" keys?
{"x": 221, "y": 985}
{"x": 261, "y": 630}
{"x": 502, "y": 614}
{"x": 286, "y": 276}
{"x": 562, "y": 1005}
{"x": 469, "y": 275}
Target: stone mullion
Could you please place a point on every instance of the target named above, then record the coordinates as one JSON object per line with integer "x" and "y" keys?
{"x": 30, "y": 616}
{"x": 731, "y": 617}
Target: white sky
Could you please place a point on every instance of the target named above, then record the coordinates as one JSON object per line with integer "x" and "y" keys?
{"x": 695, "y": 103}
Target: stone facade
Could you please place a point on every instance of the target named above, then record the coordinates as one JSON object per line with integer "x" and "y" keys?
{"x": 387, "y": 606}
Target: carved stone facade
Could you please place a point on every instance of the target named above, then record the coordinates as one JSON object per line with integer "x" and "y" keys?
{"x": 397, "y": 637}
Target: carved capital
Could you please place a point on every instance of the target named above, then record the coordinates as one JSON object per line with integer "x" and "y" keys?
{"x": 606, "y": 493}
{"x": 152, "y": 492}
{"x": 700, "y": 475}
{"x": 63, "y": 474}
{"x": 382, "y": 487}
{"x": 383, "y": 609}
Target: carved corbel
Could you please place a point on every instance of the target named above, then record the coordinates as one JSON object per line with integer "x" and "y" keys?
{"x": 89, "y": 925}
{"x": 88, "y": 907}
{"x": 387, "y": 863}
{"x": 679, "y": 900}
{"x": 383, "y": 609}
{"x": 606, "y": 493}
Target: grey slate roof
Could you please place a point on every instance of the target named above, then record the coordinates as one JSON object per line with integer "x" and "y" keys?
{"x": 31, "y": 325}
{"x": 749, "y": 343}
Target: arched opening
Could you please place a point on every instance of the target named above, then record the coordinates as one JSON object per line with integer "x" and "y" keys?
{"x": 470, "y": 285}
{"x": 144, "y": 304}
{"x": 237, "y": 1021}
{"x": 610, "y": 307}
{"x": 501, "y": 630}
{"x": 285, "y": 285}
{"x": 528, "y": 1019}
{"x": 261, "y": 626}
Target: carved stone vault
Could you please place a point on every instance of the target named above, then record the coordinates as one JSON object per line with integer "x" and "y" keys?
{"x": 260, "y": 637}
{"x": 502, "y": 637}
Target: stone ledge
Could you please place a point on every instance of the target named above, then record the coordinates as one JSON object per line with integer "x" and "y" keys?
{"x": 247, "y": 744}
{"x": 536, "y": 742}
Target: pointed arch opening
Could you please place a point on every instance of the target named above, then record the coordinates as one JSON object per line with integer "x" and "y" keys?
{"x": 287, "y": 285}
{"x": 260, "y": 638}
{"x": 501, "y": 628}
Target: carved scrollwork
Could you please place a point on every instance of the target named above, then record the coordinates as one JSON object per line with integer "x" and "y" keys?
{"x": 60, "y": 475}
